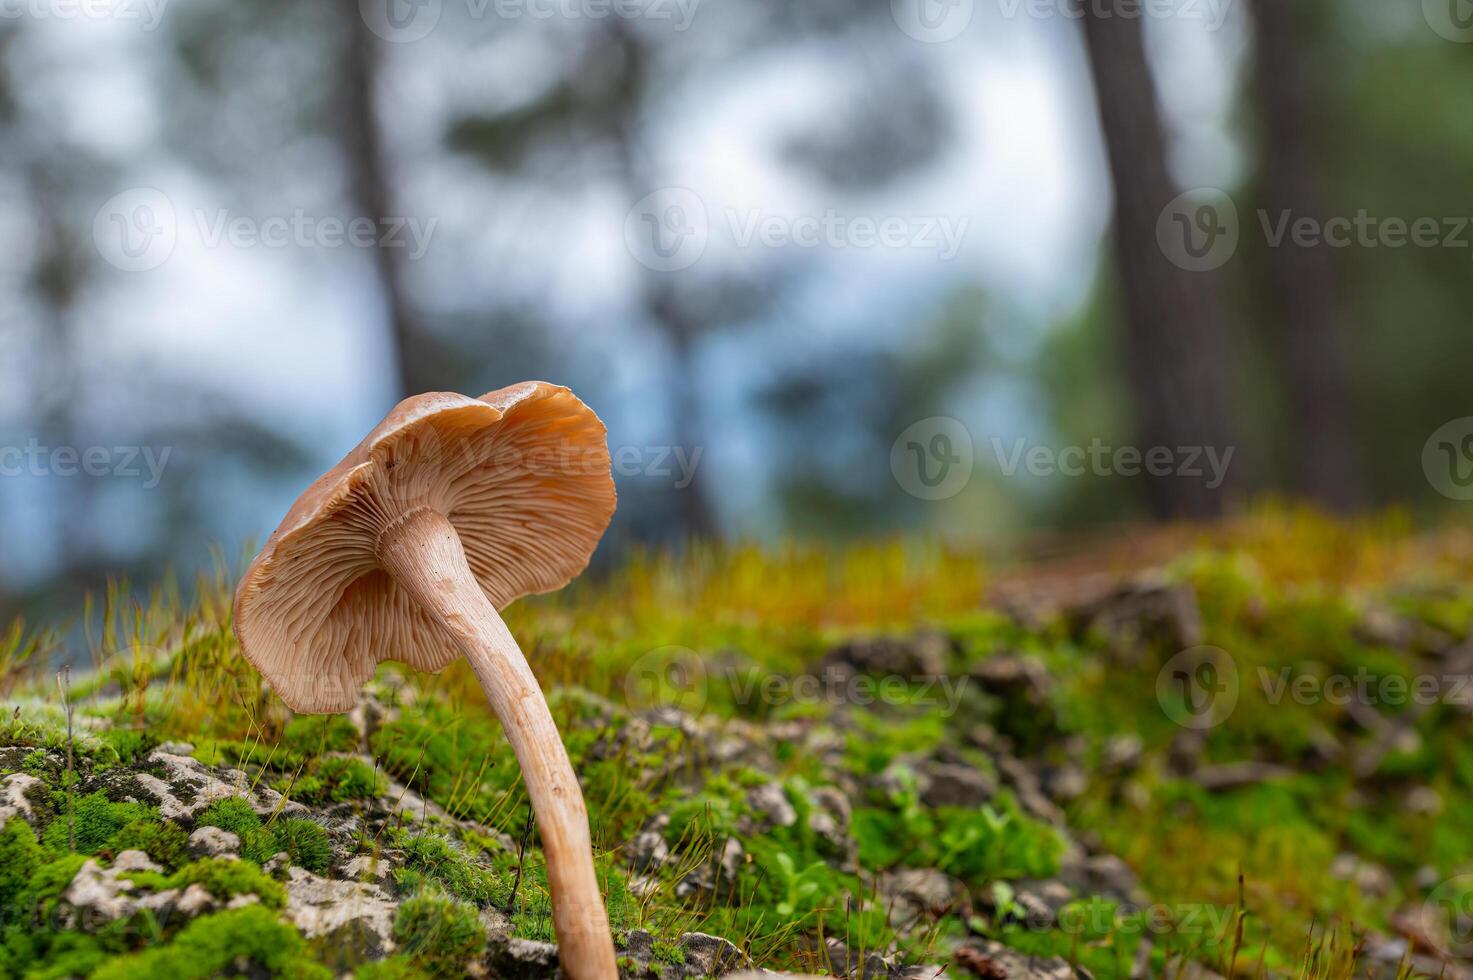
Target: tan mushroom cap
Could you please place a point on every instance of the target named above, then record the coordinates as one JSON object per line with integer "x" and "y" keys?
{"x": 523, "y": 475}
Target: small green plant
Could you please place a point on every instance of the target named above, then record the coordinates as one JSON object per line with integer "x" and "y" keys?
{"x": 95, "y": 820}
{"x": 233, "y": 813}
{"x": 161, "y": 840}
{"x": 226, "y": 878}
{"x": 306, "y": 843}
{"x": 215, "y": 944}
{"x": 439, "y": 933}
{"x": 431, "y": 857}
{"x": 20, "y": 856}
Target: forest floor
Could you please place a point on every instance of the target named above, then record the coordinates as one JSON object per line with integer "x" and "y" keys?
{"x": 1235, "y": 751}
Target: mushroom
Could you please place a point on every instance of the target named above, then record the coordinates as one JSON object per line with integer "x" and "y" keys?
{"x": 452, "y": 508}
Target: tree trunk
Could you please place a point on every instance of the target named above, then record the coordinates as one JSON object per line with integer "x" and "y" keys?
{"x": 1175, "y": 343}
{"x": 369, "y": 189}
{"x": 1302, "y": 280}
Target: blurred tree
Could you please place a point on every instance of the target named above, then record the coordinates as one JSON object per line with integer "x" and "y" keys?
{"x": 370, "y": 189}
{"x": 1175, "y": 340}
{"x": 888, "y": 124}
{"x": 1304, "y": 284}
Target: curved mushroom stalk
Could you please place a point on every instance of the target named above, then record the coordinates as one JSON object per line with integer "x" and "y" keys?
{"x": 424, "y": 554}
{"x": 366, "y": 567}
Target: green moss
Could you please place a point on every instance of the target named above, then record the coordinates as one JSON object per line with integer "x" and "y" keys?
{"x": 259, "y": 845}
{"x": 216, "y": 944}
{"x": 20, "y": 856}
{"x": 306, "y": 843}
{"x": 234, "y": 813}
{"x": 315, "y": 734}
{"x": 125, "y": 746}
{"x": 163, "y": 841}
{"x": 431, "y": 857}
{"x": 335, "y": 779}
{"x": 393, "y": 968}
{"x": 439, "y": 933}
{"x": 668, "y": 952}
{"x": 226, "y": 878}
{"x": 997, "y": 841}
{"x": 94, "y": 820}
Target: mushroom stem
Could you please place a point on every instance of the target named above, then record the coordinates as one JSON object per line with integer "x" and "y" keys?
{"x": 423, "y": 552}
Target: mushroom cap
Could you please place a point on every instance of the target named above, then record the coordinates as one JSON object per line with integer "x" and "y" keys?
{"x": 523, "y": 475}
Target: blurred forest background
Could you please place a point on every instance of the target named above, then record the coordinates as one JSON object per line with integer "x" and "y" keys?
{"x": 530, "y": 138}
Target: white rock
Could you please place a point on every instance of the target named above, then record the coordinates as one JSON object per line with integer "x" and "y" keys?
{"x": 322, "y": 906}
{"x": 134, "y": 861}
{"x": 14, "y": 801}
{"x": 213, "y": 842}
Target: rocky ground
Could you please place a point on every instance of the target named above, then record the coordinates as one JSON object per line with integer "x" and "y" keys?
{"x": 1020, "y": 803}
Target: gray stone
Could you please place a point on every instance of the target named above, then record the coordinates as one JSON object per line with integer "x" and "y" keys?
{"x": 955, "y": 784}
{"x": 923, "y": 654}
{"x": 771, "y": 801}
{"x": 524, "y": 959}
{"x": 712, "y": 956}
{"x": 844, "y": 962}
{"x": 648, "y": 849}
{"x": 357, "y": 914}
{"x": 914, "y": 894}
{"x": 21, "y": 795}
{"x": 993, "y": 961}
{"x": 213, "y": 842}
